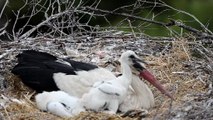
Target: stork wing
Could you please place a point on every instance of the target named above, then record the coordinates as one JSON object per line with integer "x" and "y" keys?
{"x": 111, "y": 89}
{"x": 39, "y": 76}
{"x": 36, "y": 69}
{"x": 80, "y": 65}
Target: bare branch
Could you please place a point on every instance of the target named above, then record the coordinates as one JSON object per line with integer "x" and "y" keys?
{"x": 28, "y": 33}
{"x": 17, "y": 18}
{"x": 67, "y": 20}
{"x": 104, "y": 12}
{"x": 3, "y": 8}
{"x": 180, "y": 11}
{"x": 184, "y": 12}
{"x": 169, "y": 24}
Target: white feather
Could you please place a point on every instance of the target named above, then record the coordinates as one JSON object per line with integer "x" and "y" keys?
{"x": 109, "y": 95}
{"x": 141, "y": 97}
{"x": 59, "y": 103}
{"x": 77, "y": 85}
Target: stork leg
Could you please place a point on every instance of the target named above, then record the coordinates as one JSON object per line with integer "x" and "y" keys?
{"x": 113, "y": 107}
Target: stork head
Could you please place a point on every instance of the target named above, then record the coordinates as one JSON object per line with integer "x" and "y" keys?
{"x": 138, "y": 64}
{"x": 130, "y": 58}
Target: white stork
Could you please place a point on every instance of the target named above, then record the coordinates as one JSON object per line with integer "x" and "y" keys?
{"x": 44, "y": 72}
{"x": 104, "y": 96}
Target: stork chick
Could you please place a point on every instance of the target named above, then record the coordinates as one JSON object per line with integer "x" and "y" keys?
{"x": 59, "y": 103}
{"x": 108, "y": 95}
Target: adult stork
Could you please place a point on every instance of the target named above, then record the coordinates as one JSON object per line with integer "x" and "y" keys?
{"x": 105, "y": 96}
{"x": 42, "y": 72}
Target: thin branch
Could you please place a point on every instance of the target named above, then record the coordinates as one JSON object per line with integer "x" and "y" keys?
{"x": 133, "y": 32}
{"x": 180, "y": 11}
{"x": 3, "y": 8}
{"x": 17, "y": 18}
{"x": 28, "y": 33}
{"x": 169, "y": 24}
{"x": 4, "y": 27}
{"x": 126, "y": 15}
{"x": 184, "y": 12}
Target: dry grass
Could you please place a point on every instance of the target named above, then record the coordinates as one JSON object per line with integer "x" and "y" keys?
{"x": 171, "y": 71}
{"x": 168, "y": 68}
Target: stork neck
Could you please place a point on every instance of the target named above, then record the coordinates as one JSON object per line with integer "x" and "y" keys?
{"x": 126, "y": 73}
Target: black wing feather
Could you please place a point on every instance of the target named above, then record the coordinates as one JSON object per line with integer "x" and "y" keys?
{"x": 36, "y": 69}
{"x": 77, "y": 66}
{"x": 33, "y": 56}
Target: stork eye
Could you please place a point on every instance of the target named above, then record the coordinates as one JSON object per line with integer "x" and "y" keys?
{"x": 132, "y": 56}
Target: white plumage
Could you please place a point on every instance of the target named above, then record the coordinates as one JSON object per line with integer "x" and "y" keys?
{"x": 108, "y": 95}
{"x": 104, "y": 96}
{"x": 77, "y": 85}
{"x": 44, "y": 72}
{"x": 59, "y": 103}
{"x": 139, "y": 96}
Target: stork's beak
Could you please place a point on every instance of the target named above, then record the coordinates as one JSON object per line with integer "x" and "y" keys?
{"x": 149, "y": 77}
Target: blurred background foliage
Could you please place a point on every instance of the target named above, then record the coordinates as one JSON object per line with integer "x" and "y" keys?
{"x": 202, "y": 9}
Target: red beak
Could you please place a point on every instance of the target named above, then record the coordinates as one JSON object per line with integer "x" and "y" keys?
{"x": 149, "y": 77}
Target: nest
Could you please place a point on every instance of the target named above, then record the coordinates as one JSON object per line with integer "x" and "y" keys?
{"x": 174, "y": 67}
